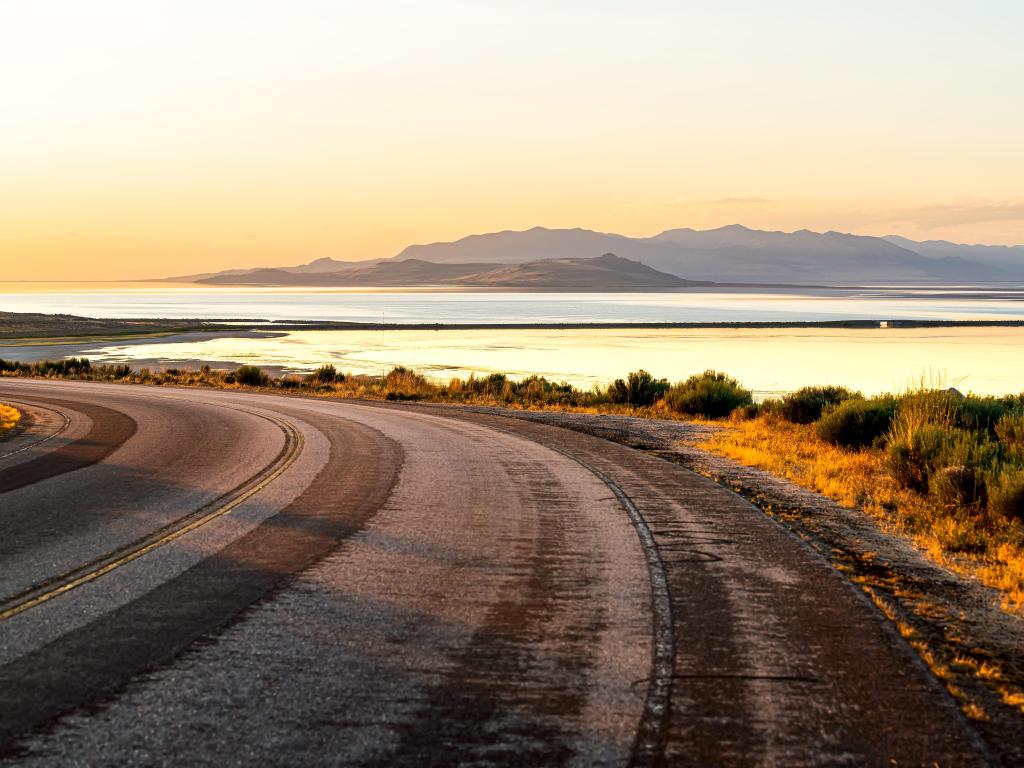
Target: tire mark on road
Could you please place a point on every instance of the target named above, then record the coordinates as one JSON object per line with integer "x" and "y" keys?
{"x": 61, "y": 584}
{"x": 161, "y": 624}
{"x": 46, "y": 438}
{"x": 652, "y": 730}
{"x": 109, "y": 431}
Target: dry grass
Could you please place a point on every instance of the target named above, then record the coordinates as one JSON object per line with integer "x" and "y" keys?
{"x": 9, "y": 418}
{"x": 976, "y": 544}
{"x": 981, "y": 544}
{"x": 532, "y": 393}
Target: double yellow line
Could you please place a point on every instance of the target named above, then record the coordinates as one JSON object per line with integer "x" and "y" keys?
{"x": 42, "y": 592}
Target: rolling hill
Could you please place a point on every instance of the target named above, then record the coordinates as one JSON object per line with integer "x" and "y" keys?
{"x": 604, "y": 273}
{"x": 733, "y": 254}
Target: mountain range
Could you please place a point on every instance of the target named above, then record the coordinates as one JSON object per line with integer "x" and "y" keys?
{"x": 603, "y": 273}
{"x": 733, "y": 254}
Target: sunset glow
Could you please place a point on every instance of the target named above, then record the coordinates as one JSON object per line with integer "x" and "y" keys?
{"x": 147, "y": 139}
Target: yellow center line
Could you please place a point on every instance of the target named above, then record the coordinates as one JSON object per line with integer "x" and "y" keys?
{"x": 73, "y": 579}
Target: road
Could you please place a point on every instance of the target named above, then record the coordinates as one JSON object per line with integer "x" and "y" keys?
{"x": 226, "y": 578}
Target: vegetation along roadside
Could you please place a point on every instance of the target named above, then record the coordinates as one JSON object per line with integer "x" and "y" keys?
{"x": 930, "y": 466}
{"x": 942, "y": 468}
{"x": 9, "y": 418}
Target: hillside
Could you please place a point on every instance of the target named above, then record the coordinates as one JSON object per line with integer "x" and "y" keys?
{"x": 733, "y": 254}
{"x": 411, "y": 272}
{"x": 1009, "y": 258}
{"x": 604, "y": 273}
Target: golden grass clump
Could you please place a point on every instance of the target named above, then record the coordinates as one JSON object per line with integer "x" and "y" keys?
{"x": 9, "y": 418}
{"x": 972, "y": 542}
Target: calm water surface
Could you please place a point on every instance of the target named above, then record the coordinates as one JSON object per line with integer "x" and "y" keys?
{"x": 190, "y": 301}
{"x": 985, "y": 360}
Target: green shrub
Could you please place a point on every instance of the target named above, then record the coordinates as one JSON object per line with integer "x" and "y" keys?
{"x": 399, "y": 395}
{"x": 911, "y": 458}
{"x": 915, "y": 460}
{"x": 956, "y": 487}
{"x": 326, "y": 374}
{"x": 1013, "y": 402}
{"x": 1006, "y": 496}
{"x": 71, "y": 366}
{"x": 403, "y": 383}
{"x": 639, "y": 388}
{"x": 857, "y": 423}
{"x": 710, "y": 394}
{"x": 920, "y": 408}
{"x": 807, "y": 404}
{"x": 969, "y": 448}
{"x": 494, "y": 384}
{"x": 973, "y": 412}
{"x": 536, "y": 390}
{"x": 1010, "y": 431}
{"x": 745, "y": 412}
{"x": 251, "y": 376}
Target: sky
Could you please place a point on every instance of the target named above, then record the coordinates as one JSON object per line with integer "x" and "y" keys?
{"x": 145, "y": 139}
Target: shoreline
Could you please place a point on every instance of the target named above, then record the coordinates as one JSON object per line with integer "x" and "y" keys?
{"x": 32, "y": 350}
{"x": 28, "y": 330}
{"x": 291, "y": 325}
{"x": 117, "y": 347}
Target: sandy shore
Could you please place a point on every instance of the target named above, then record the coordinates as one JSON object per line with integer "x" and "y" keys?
{"x": 34, "y": 350}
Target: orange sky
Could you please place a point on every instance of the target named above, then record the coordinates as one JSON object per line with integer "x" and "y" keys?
{"x": 147, "y": 139}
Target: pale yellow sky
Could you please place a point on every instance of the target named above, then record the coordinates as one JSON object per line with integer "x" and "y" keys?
{"x": 147, "y": 139}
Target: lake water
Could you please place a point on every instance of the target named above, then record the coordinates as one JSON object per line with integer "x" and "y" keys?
{"x": 770, "y": 361}
{"x": 417, "y": 306}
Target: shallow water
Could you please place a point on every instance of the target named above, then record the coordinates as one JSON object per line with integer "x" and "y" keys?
{"x": 983, "y": 360}
{"x": 156, "y": 300}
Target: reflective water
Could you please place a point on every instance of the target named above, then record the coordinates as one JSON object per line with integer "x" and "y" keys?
{"x": 983, "y": 360}
{"x": 989, "y": 360}
{"x": 418, "y": 306}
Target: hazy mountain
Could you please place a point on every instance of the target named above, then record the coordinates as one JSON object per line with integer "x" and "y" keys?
{"x": 757, "y": 256}
{"x": 325, "y": 264}
{"x": 514, "y": 247}
{"x": 411, "y": 272}
{"x": 604, "y": 273}
{"x": 1009, "y": 258}
{"x": 734, "y": 254}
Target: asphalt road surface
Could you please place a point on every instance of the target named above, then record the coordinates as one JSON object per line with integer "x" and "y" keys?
{"x": 196, "y": 577}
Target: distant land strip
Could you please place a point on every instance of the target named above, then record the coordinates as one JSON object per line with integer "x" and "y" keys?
{"x": 39, "y": 327}
{"x": 353, "y": 326}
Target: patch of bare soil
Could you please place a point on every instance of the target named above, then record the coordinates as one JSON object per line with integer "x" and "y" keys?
{"x": 955, "y": 624}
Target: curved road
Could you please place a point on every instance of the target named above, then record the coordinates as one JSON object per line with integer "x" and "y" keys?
{"x": 214, "y": 577}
